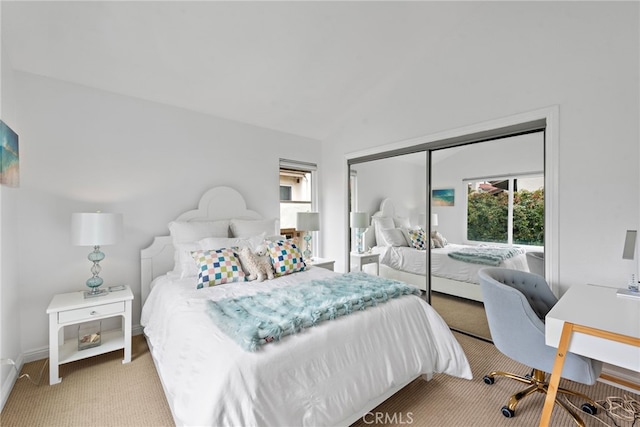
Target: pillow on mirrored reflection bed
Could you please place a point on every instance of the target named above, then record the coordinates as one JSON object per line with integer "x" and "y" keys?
{"x": 394, "y": 237}
{"x": 381, "y": 223}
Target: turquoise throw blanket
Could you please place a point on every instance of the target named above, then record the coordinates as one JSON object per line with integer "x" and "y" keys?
{"x": 253, "y": 320}
{"x": 488, "y": 255}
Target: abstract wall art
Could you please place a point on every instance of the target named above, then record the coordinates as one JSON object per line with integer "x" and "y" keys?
{"x": 9, "y": 156}
{"x": 443, "y": 197}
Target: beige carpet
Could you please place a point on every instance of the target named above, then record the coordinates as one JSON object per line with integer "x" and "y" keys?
{"x": 462, "y": 314}
{"x": 101, "y": 391}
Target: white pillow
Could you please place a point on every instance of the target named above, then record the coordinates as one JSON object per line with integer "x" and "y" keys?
{"x": 249, "y": 227}
{"x": 401, "y": 222}
{"x": 192, "y": 231}
{"x": 184, "y": 264}
{"x": 380, "y": 223}
{"x": 211, "y": 243}
{"x": 394, "y": 237}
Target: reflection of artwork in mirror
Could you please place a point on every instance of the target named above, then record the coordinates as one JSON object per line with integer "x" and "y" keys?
{"x": 443, "y": 197}
{"x": 9, "y": 171}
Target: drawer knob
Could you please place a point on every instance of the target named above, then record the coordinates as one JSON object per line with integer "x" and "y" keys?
{"x": 93, "y": 313}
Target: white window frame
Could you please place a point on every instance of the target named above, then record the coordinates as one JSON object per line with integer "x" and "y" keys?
{"x": 510, "y": 178}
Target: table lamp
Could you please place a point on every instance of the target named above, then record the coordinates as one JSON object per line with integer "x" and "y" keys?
{"x": 307, "y": 222}
{"x": 628, "y": 252}
{"x": 359, "y": 221}
{"x": 434, "y": 220}
{"x": 95, "y": 229}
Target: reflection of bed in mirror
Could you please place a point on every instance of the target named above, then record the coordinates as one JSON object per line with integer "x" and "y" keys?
{"x": 404, "y": 262}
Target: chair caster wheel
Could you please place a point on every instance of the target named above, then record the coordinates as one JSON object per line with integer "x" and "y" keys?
{"x": 509, "y": 413}
{"x": 589, "y": 409}
{"x": 488, "y": 380}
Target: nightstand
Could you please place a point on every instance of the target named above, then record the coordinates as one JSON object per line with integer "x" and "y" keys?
{"x": 73, "y": 309}
{"x": 358, "y": 260}
{"x": 321, "y": 262}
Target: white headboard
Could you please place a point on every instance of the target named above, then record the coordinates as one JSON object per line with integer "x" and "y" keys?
{"x": 387, "y": 209}
{"x": 216, "y": 204}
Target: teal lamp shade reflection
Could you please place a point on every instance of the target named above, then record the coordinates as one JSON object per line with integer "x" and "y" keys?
{"x": 95, "y": 229}
{"x": 359, "y": 221}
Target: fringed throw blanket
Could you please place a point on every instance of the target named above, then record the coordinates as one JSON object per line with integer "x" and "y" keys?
{"x": 489, "y": 255}
{"x": 253, "y": 320}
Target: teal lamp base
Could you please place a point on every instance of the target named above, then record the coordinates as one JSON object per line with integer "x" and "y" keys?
{"x": 306, "y": 255}
{"x": 95, "y": 281}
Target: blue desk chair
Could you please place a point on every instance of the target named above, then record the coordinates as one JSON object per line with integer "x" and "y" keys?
{"x": 516, "y": 303}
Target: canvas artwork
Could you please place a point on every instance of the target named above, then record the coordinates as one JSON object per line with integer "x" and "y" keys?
{"x": 444, "y": 197}
{"x": 9, "y": 157}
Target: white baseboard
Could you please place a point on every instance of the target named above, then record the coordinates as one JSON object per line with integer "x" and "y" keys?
{"x": 10, "y": 381}
{"x": 32, "y": 356}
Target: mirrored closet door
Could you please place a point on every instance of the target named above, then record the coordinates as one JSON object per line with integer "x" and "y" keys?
{"x": 487, "y": 193}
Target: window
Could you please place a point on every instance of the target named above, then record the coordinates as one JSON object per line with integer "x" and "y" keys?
{"x": 507, "y": 210}
{"x": 285, "y": 192}
{"x": 297, "y": 193}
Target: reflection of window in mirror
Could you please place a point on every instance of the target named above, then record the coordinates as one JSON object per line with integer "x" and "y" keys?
{"x": 499, "y": 191}
{"x": 508, "y": 209}
{"x": 297, "y": 194}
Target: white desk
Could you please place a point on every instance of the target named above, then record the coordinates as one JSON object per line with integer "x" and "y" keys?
{"x": 592, "y": 321}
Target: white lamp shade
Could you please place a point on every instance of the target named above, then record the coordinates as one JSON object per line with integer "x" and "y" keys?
{"x": 95, "y": 229}
{"x": 434, "y": 220}
{"x": 308, "y": 221}
{"x": 359, "y": 219}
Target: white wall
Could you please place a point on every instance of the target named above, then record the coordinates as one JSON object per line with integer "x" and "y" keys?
{"x": 84, "y": 150}
{"x": 9, "y": 287}
{"x": 497, "y": 59}
{"x": 407, "y": 188}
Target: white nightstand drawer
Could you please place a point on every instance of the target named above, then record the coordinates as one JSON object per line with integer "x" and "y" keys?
{"x": 90, "y": 312}
{"x": 368, "y": 259}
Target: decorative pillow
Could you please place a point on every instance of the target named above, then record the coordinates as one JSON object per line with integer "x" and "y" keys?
{"x": 186, "y": 267}
{"x": 418, "y": 238}
{"x": 394, "y": 237}
{"x": 251, "y": 227}
{"x": 438, "y": 240}
{"x": 381, "y": 223}
{"x": 217, "y": 267}
{"x": 285, "y": 257}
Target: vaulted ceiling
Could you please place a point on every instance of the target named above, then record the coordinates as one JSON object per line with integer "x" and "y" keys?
{"x": 296, "y": 67}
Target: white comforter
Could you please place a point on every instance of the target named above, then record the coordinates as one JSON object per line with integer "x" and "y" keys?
{"x": 414, "y": 261}
{"x": 322, "y": 376}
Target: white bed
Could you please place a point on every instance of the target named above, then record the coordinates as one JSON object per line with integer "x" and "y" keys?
{"x": 448, "y": 276}
{"x": 330, "y": 374}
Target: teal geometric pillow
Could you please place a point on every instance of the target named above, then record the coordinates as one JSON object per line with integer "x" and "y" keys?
{"x": 218, "y": 266}
{"x": 418, "y": 239}
{"x": 285, "y": 257}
